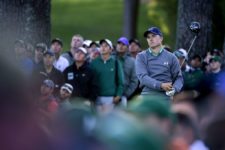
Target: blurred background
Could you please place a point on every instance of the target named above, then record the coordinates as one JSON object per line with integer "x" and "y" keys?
{"x": 43, "y": 20}
{"x": 97, "y": 19}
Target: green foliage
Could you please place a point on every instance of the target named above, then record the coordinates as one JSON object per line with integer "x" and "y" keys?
{"x": 97, "y": 19}
{"x": 164, "y": 14}
{"x": 93, "y": 19}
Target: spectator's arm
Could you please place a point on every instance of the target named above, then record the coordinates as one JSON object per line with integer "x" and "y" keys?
{"x": 133, "y": 81}
{"x": 119, "y": 90}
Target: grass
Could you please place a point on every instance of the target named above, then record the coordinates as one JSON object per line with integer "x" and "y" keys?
{"x": 93, "y": 19}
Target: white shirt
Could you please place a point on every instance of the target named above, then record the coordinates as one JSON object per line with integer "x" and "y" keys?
{"x": 61, "y": 64}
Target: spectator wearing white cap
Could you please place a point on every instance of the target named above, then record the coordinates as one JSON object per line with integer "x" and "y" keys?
{"x": 87, "y": 44}
{"x": 109, "y": 76}
{"x": 60, "y": 62}
{"x": 80, "y": 76}
{"x": 65, "y": 94}
{"x": 183, "y": 58}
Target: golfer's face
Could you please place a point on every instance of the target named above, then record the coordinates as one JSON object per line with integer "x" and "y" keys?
{"x": 154, "y": 40}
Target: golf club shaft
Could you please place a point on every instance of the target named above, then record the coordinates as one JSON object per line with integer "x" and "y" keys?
{"x": 187, "y": 55}
{"x": 192, "y": 43}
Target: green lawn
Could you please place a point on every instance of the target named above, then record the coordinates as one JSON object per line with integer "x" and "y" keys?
{"x": 93, "y": 19}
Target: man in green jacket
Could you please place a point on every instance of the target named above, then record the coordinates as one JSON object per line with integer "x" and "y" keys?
{"x": 109, "y": 76}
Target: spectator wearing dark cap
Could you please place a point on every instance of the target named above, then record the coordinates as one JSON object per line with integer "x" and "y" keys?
{"x": 128, "y": 65}
{"x": 60, "y": 62}
{"x": 196, "y": 62}
{"x": 134, "y": 47}
{"x": 80, "y": 76}
{"x": 76, "y": 42}
{"x": 157, "y": 69}
{"x": 94, "y": 44}
{"x": 24, "y": 63}
{"x": 216, "y": 52}
{"x": 40, "y": 48}
{"x": 194, "y": 75}
{"x": 87, "y": 45}
{"x": 215, "y": 64}
{"x": 48, "y": 71}
{"x": 109, "y": 77}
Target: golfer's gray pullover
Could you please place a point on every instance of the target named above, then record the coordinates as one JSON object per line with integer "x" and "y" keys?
{"x": 152, "y": 70}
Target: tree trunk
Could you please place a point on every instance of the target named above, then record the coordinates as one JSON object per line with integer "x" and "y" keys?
{"x": 194, "y": 10}
{"x": 224, "y": 45}
{"x": 28, "y": 20}
{"x": 130, "y": 18}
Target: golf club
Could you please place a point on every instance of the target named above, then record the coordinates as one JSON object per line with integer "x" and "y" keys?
{"x": 195, "y": 28}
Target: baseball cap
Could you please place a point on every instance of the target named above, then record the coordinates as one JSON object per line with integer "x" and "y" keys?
{"x": 135, "y": 41}
{"x": 20, "y": 43}
{"x": 87, "y": 43}
{"x": 215, "y": 58}
{"x": 49, "y": 52}
{"x": 58, "y": 40}
{"x": 153, "y": 30}
{"x": 82, "y": 49}
{"x": 123, "y": 40}
{"x": 42, "y": 46}
{"x": 68, "y": 87}
{"x": 107, "y": 41}
{"x": 96, "y": 43}
{"x": 49, "y": 83}
{"x": 181, "y": 53}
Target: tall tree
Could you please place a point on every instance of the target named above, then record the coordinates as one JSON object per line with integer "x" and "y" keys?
{"x": 224, "y": 45}
{"x": 130, "y": 18}
{"x": 195, "y": 10}
{"x": 28, "y": 20}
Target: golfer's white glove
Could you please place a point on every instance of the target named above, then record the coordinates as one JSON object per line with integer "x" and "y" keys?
{"x": 171, "y": 92}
